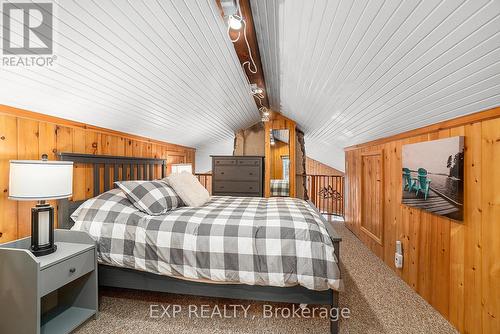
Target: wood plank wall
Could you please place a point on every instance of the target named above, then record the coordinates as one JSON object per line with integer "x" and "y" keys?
{"x": 314, "y": 167}
{"x": 454, "y": 266}
{"x": 278, "y": 150}
{"x": 279, "y": 122}
{"x": 27, "y": 135}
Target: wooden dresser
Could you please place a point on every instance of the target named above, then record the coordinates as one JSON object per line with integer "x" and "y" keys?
{"x": 238, "y": 175}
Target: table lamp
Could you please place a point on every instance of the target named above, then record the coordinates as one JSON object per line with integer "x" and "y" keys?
{"x": 41, "y": 180}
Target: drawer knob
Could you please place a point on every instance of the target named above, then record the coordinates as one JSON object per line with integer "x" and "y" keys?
{"x": 250, "y": 173}
{"x": 250, "y": 187}
{"x": 222, "y": 173}
{"x": 72, "y": 270}
{"x": 222, "y": 187}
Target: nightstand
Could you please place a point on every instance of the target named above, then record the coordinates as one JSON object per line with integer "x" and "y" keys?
{"x": 48, "y": 294}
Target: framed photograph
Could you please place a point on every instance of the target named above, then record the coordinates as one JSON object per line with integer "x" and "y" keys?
{"x": 433, "y": 176}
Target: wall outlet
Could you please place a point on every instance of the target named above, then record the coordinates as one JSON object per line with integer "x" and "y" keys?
{"x": 398, "y": 257}
{"x": 398, "y": 260}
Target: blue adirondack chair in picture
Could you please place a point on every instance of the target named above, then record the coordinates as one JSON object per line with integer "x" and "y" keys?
{"x": 423, "y": 183}
{"x": 407, "y": 181}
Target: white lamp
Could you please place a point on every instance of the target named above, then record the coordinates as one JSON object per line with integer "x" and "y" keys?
{"x": 41, "y": 180}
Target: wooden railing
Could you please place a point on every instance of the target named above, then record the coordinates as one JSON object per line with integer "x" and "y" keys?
{"x": 206, "y": 180}
{"x": 327, "y": 193}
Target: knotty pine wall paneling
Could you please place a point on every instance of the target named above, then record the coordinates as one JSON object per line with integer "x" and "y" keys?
{"x": 314, "y": 167}
{"x": 455, "y": 266}
{"x": 28, "y": 135}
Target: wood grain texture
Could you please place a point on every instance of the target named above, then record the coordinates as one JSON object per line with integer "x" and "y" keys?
{"x": 279, "y": 122}
{"x": 30, "y": 135}
{"x": 372, "y": 223}
{"x": 314, "y": 167}
{"x": 8, "y": 151}
{"x": 278, "y": 151}
{"x": 255, "y": 75}
{"x": 490, "y": 205}
{"x": 454, "y": 266}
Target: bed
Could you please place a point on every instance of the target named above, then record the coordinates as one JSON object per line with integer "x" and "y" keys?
{"x": 280, "y": 188}
{"x": 172, "y": 252}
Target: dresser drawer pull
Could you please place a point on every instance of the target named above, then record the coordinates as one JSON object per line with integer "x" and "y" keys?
{"x": 72, "y": 270}
{"x": 222, "y": 173}
{"x": 250, "y": 173}
{"x": 250, "y": 187}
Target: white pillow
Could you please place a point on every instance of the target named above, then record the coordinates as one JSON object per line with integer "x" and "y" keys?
{"x": 189, "y": 189}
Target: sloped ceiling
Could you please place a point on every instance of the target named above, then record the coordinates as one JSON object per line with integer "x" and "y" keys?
{"x": 161, "y": 69}
{"x": 354, "y": 71}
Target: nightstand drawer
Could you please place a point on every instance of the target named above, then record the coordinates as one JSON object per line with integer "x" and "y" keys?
{"x": 54, "y": 277}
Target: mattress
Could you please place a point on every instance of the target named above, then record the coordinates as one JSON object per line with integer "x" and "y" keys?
{"x": 238, "y": 240}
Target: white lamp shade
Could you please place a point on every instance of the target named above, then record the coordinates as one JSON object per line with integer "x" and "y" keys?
{"x": 40, "y": 180}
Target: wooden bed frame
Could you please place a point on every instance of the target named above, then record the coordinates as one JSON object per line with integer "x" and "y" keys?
{"x": 143, "y": 169}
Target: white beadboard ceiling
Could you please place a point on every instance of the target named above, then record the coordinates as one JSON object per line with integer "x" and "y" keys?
{"x": 161, "y": 69}
{"x": 351, "y": 71}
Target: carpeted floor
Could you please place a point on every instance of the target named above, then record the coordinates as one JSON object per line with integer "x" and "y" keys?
{"x": 379, "y": 302}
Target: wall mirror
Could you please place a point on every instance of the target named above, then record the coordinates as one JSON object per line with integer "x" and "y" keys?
{"x": 280, "y": 162}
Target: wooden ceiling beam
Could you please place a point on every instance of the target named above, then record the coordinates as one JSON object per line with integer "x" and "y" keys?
{"x": 243, "y": 52}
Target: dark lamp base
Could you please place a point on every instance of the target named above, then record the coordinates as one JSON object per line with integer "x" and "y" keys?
{"x": 44, "y": 250}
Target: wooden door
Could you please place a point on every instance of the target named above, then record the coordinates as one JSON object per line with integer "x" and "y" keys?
{"x": 372, "y": 196}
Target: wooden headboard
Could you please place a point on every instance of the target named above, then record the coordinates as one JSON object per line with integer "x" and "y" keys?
{"x": 131, "y": 169}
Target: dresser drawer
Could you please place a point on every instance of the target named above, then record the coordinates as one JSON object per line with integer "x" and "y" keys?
{"x": 57, "y": 275}
{"x": 249, "y": 162}
{"x": 236, "y": 187}
{"x": 242, "y": 173}
{"x": 227, "y": 162}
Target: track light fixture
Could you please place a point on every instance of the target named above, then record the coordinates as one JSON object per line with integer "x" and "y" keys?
{"x": 256, "y": 90}
{"x": 264, "y": 114}
{"x": 235, "y": 22}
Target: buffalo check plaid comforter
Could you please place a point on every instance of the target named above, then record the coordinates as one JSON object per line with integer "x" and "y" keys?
{"x": 257, "y": 241}
{"x": 280, "y": 188}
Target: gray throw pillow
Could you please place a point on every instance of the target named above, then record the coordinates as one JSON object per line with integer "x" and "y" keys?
{"x": 152, "y": 197}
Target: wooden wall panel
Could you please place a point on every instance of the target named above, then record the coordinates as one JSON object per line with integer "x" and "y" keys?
{"x": 28, "y": 137}
{"x": 27, "y": 148}
{"x": 490, "y": 234}
{"x": 8, "y": 151}
{"x": 454, "y": 266}
{"x": 372, "y": 196}
{"x": 314, "y": 167}
{"x": 278, "y": 150}
{"x": 279, "y": 122}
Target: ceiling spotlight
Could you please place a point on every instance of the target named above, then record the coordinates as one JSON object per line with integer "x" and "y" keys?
{"x": 235, "y": 22}
{"x": 256, "y": 90}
